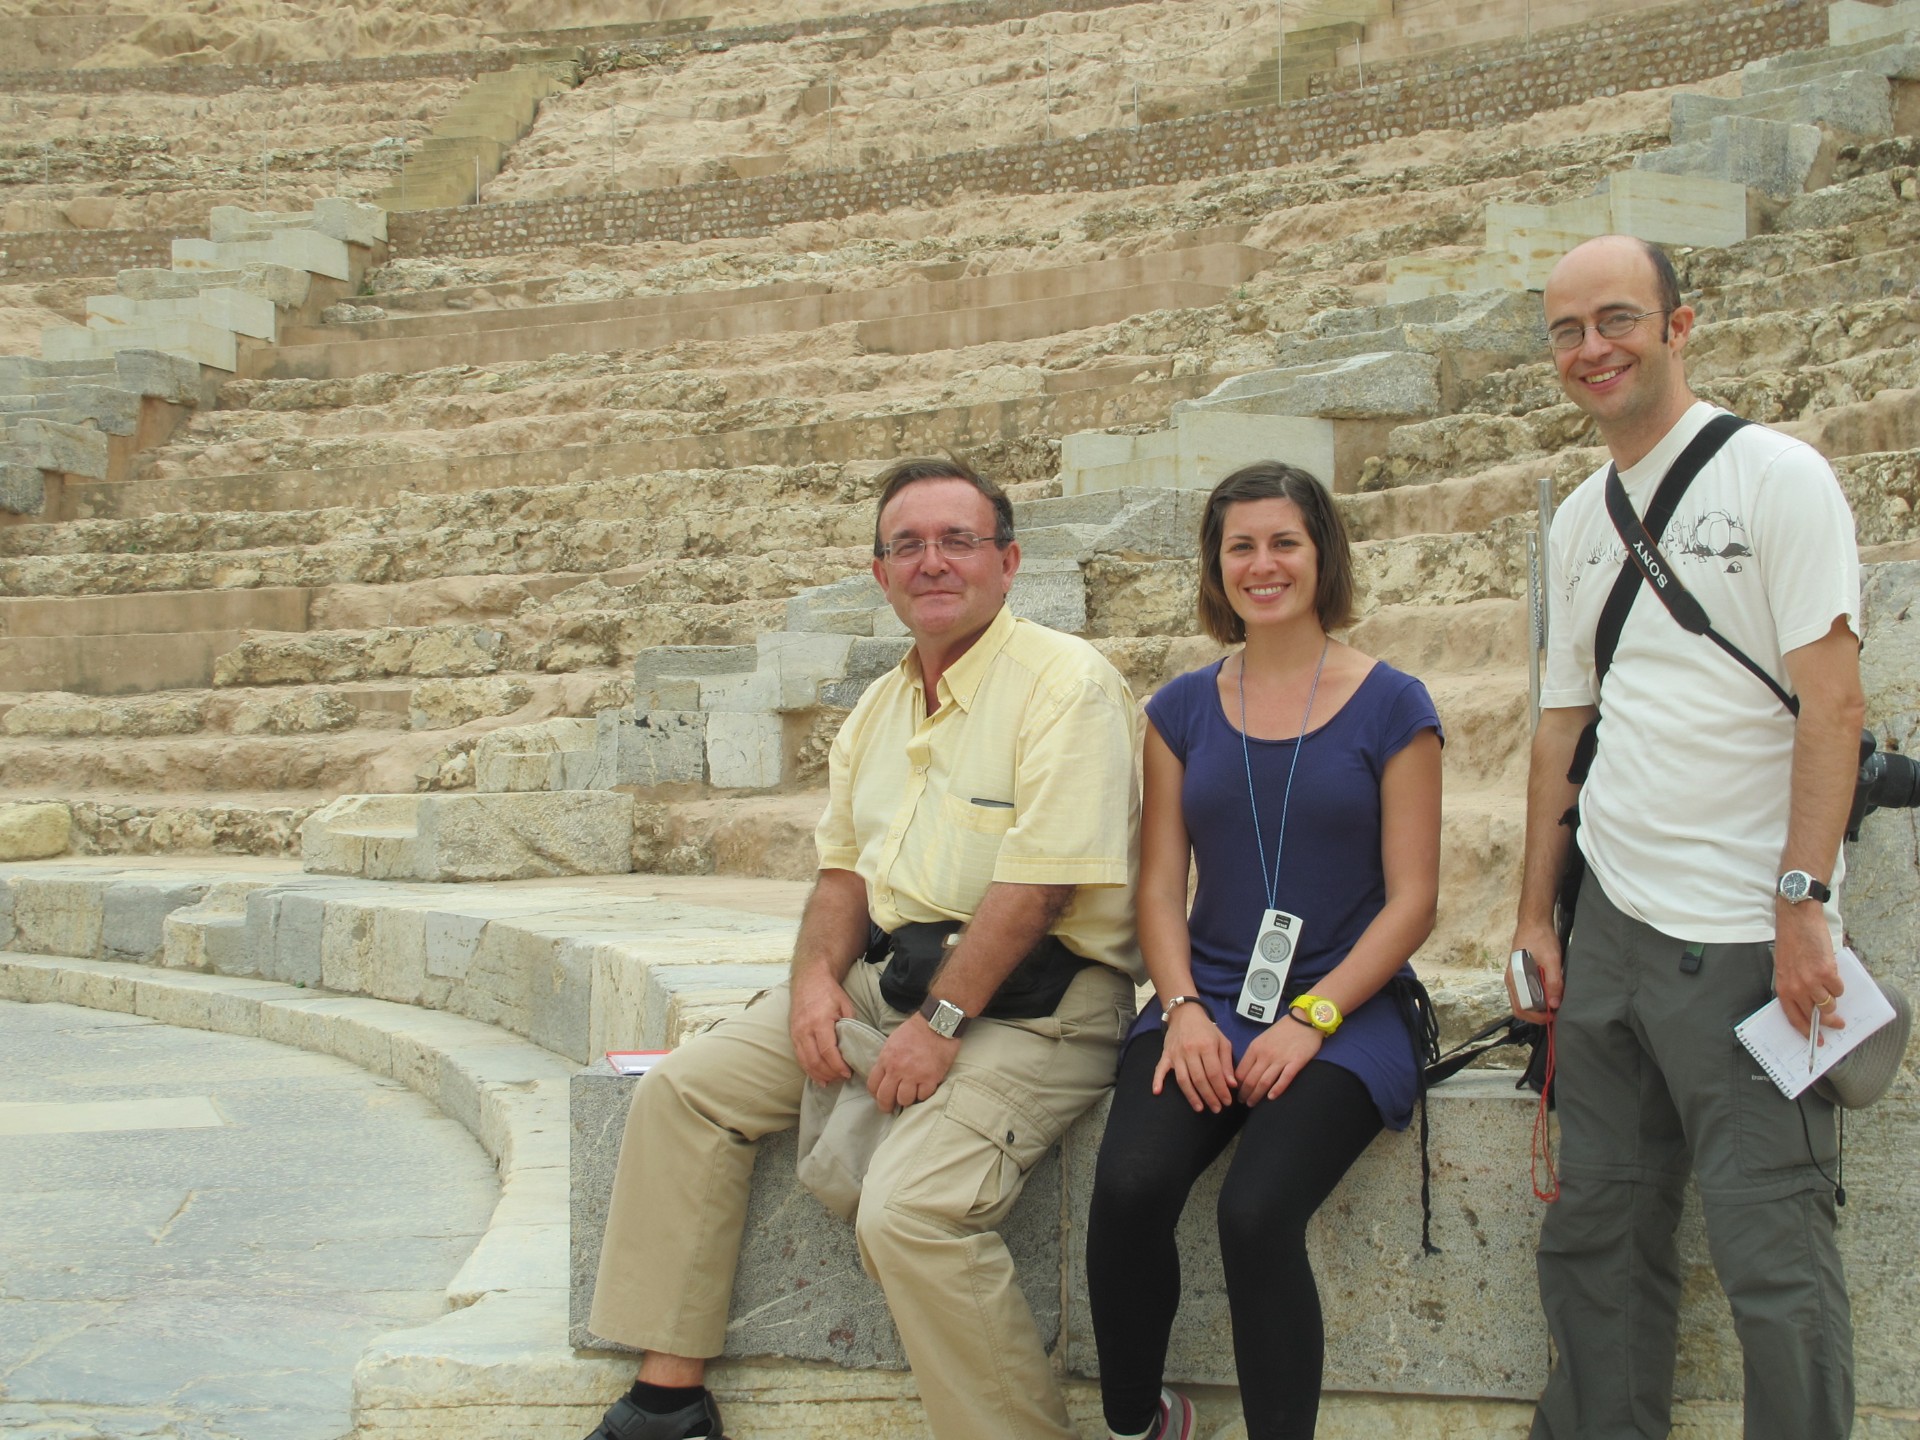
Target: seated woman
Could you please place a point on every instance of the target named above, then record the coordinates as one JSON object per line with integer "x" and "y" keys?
{"x": 1303, "y": 779}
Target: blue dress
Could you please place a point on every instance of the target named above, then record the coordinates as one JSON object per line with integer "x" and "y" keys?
{"x": 1330, "y": 871}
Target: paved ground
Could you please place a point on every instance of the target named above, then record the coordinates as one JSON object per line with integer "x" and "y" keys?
{"x": 199, "y": 1232}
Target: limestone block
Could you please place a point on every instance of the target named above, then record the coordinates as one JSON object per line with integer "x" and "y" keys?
{"x": 471, "y": 836}
{"x": 23, "y": 487}
{"x": 1587, "y": 214}
{"x": 134, "y": 913}
{"x": 56, "y": 914}
{"x": 1395, "y": 383}
{"x": 800, "y": 1291}
{"x": 444, "y": 704}
{"x": 800, "y": 664}
{"x": 285, "y": 928}
{"x": 349, "y": 220}
{"x": 555, "y": 754}
{"x": 1854, "y": 22}
{"x": 163, "y": 376}
{"x": 745, "y": 750}
{"x": 70, "y": 449}
{"x": 867, "y": 661}
{"x": 650, "y": 747}
{"x": 108, "y": 407}
{"x": 664, "y": 665}
{"x": 1767, "y": 155}
{"x": 1678, "y": 210}
{"x": 752, "y": 691}
{"x": 1051, "y": 593}
{"x": 376, "y": 947}
{"x": 211, "y": 934}
{"x": 34, "y": 830}
{"x": 853, "y": 606}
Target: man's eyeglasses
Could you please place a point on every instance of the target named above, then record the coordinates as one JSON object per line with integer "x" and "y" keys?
{"x": 1571, "y": 334}
{"x": 954, "y": 545}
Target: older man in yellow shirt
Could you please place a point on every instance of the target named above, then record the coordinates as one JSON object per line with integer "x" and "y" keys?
{"x": 983, "y": 812}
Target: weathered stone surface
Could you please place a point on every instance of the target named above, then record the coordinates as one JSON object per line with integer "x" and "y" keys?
{"x": 745, "y": 751}
{"x": 1357, "y": 387}
{"x": 34, "y": 831}
{"x": 801, "y": 1291}
{"x": 55, "y": 713}
{"x": 134, "y": 913}
{"x": 652, "y": 747}
{"x": 444, "y": 704}
{"x": 1769, "y": 155}
{"x": 471, "y": 837}
{"x": 550, "y": 755}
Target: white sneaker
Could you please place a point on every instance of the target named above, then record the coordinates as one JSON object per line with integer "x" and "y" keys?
{"x": 1176, "y": 1416}
{"x": 1174, "y": 1422}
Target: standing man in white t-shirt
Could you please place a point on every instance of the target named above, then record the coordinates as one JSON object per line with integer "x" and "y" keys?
{"x": 1711, "y": 822}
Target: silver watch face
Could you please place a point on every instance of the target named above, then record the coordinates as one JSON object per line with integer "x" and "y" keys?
{"x": 946, "y": 1018}
{"x": 1795, "y": 886}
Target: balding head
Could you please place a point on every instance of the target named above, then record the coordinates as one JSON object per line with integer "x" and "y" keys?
{"x": 1633, "y": 383}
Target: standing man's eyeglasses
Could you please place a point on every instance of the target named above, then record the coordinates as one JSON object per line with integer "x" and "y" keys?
{"x": 1571, "y": 334}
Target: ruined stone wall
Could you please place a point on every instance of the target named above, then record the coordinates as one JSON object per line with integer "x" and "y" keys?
{"x": 221, "y": 79}
{"x": 37, "y": 254}
{"x": 1602, "y": 57}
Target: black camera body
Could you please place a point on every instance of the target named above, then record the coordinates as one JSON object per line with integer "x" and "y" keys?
{"x": 1888, "y": 780}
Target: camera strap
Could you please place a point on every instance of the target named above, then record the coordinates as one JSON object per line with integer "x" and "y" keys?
{"x": 1645, "y": 560}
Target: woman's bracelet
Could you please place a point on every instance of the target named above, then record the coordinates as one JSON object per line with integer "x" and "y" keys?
{"x": 1166, "y": 1015}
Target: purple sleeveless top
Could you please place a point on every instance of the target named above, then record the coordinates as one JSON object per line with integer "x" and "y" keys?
{"x": 1330, "y": 871}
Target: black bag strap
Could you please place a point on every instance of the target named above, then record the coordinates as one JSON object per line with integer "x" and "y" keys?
{"x": 1686, "y": 466}
{"x": 1652, "y": 566}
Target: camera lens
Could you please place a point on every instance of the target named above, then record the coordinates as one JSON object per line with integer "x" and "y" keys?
{"x": 1263, "y": 984}
{"x": 1275, "y": 947}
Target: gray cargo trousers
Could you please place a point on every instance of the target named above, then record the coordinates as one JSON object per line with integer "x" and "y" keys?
{"x": 1651, "y": 1082}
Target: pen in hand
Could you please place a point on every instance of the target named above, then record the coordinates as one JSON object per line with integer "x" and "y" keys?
{"x": 1813, "y": 1038}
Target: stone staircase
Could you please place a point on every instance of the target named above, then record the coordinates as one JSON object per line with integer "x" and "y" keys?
{"x": 469, "y": 142}
{"x": 551, "y": 563}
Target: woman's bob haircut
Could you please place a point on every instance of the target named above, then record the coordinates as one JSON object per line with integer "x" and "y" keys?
{"x": 1272, "y": 480}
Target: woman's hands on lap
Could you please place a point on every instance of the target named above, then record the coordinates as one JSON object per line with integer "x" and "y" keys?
{"x": 1275, "y": 1057}
{"x": 1199, "y": 1058}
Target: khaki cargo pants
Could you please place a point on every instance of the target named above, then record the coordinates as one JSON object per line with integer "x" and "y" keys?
{"x": 938, "y": 1187}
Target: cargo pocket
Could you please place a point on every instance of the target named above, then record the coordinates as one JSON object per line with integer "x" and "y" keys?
{"x": 971, "y": 1166}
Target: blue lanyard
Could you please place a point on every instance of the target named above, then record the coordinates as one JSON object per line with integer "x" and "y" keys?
{"x": 1272, "y": 881}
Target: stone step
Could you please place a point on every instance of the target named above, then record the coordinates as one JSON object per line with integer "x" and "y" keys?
{"x": 898, "y": 319}
{"x": 871, "y": 437}
{"x": 1806, "y": 277}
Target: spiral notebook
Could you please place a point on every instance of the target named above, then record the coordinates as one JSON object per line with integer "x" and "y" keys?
{"x": 1782, "y": 1050}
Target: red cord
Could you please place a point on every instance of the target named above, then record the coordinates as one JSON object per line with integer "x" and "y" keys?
{"x": 1542, "y": 1157}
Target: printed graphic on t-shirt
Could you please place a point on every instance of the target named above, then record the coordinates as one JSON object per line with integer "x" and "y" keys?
{"x": 1715, "y": 538}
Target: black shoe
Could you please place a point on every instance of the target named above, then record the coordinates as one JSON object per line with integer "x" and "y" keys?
{"x": 625, "y": 1420}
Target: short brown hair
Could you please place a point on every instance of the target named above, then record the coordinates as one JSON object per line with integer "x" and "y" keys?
{"x": 1271, "y": 480}
{"x": 903, "y": 473}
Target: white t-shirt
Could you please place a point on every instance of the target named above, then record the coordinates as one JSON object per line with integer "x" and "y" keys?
{"x": 1684, "y": 815}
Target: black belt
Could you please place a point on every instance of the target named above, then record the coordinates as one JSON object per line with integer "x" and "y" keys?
{"x": 913, "y": 953}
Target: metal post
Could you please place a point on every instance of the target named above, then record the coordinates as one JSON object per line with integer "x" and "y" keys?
{"x": 1280, "y": 54}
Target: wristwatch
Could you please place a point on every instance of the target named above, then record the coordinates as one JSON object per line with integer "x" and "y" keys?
{"x": 1321, "y": 1013}
{"x": 1798, "y": 885}
{"x": 945, "y": 1019}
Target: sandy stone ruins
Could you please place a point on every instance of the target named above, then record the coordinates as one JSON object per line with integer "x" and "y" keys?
{"x": 436, "y": 447}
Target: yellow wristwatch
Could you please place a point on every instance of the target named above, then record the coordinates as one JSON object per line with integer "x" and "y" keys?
{"x": 1321, "y": 1013}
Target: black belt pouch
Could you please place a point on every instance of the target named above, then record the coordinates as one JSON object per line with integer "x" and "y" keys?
{"x": 913, "y": 953}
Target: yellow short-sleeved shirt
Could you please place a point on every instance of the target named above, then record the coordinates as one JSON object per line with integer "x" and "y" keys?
{"x": 1027, "y": 773}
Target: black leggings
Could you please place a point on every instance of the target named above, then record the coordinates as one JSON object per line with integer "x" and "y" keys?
{"x": 1293, "y": 1151}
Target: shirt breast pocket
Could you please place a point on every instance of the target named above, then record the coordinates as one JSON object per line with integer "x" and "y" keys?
{"x": 963, "y": 850}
